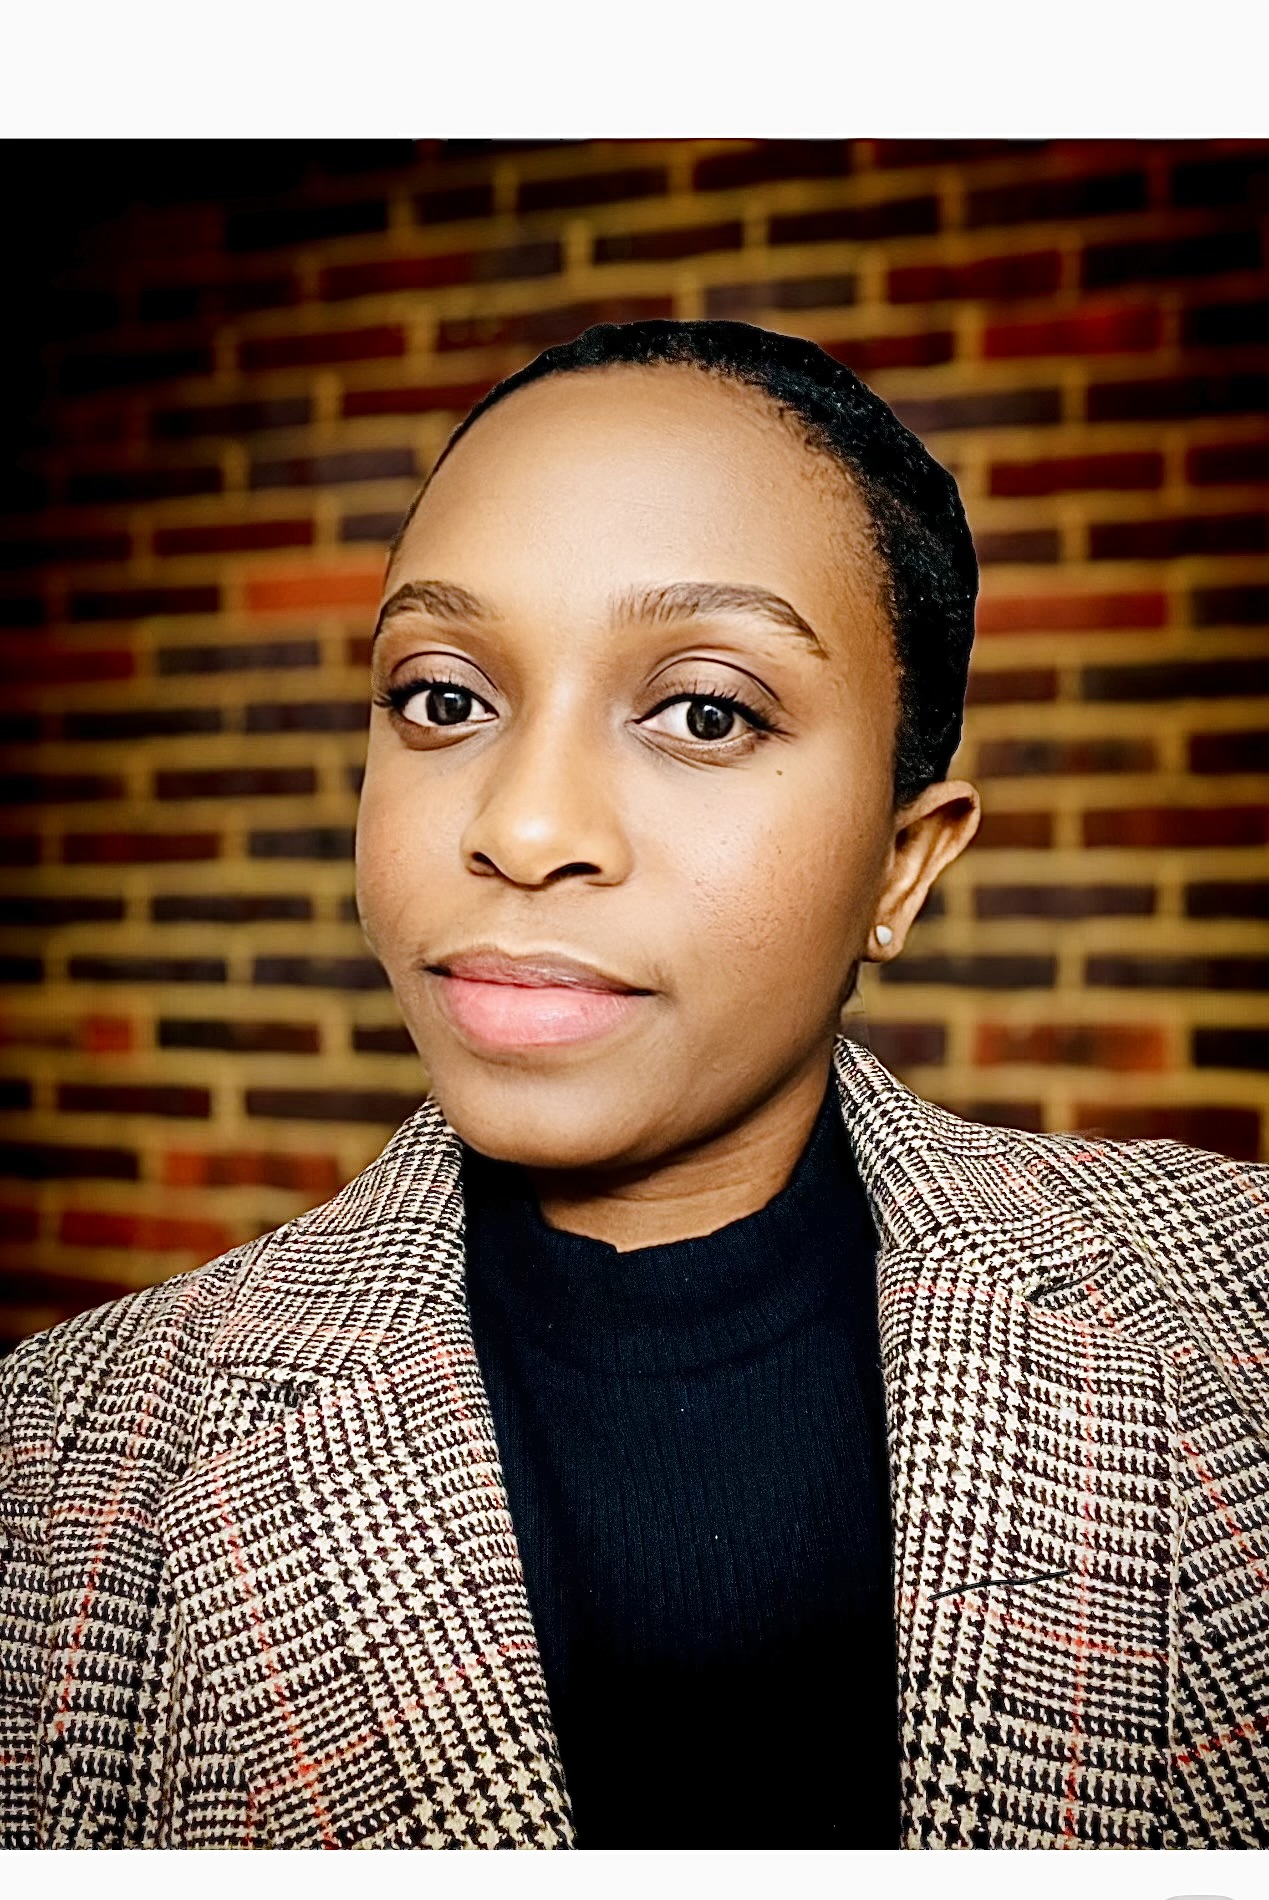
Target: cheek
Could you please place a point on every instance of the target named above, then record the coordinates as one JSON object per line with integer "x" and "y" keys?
{"x": 399, "y": 835}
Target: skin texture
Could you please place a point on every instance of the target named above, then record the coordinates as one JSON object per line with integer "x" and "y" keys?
{"x": 738, "y": 878}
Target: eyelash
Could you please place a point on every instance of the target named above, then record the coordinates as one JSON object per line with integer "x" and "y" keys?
{"x": 397, "y": 698}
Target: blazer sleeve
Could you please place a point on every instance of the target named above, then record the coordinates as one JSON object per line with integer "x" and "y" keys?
{"x": 26, "y": 1432}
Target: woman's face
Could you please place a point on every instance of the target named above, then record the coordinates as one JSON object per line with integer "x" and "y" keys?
{"x": 641, "y": 704}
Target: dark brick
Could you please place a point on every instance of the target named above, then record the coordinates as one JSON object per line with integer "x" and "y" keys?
{"x": 21, "y": 970}
{"x": 858, "y": 224}
{"x": 1029, "y": 1116}
{"x": 386, "y": 1106}
{"x": 323, "y": 715}
{"x": 415, "y": 400}
{"x": 184, "y": 303}
{"x": 234, "y": 537}
{"x": 1023, "y": 546}
{"x": 1029, "y": 274}
{"x": 58, "y": 788}
{"x": 1185, "y": 827}
{"x": 502, "y": 263}
{"x": 1230, "y": 606}
{"x": 894, "y": 154}
{"x": 239, "y": 1038}
{"x": 1177, "y": 973}
{"x": 1228, "y": 462}
{"x": 1241, "y": 178}
{"x": 22, "y": 610}
{"x": 1230, "y": 751}
{"x": 310, "y": 841}
{"x": 147, "y": 970}
{"x": 276, "y": 226}
{"x": 1242, "y": 1048}
{"x": 20, "y": 728}
{"x": 312, "y": 348}
{"x": 252, "y": 656}
{"x": 1083, "y": 333}
{"x": 771, "y": 160}
{"x": 22, "y": 491}
{"x": 87, "y": 375}
{"x": 139, "y": 847}
{"x": 232, "y": 418}
{"x": 1228, "y": 1131}
{"x": 49, "y": 913}
{"x": 142, "y": 722}
{"x": 920, "y": 349}
{"x": 1227, "y": 897}
{"x": 19, "y": 1225}
{"x": 788, "y": 293}
{"x": 52, "y": 664}
{"x": 64, "y": 550}
{"x": 1068, "y": 474}
{"x": 1015, "y": 831}
{"x": 15, "y": 1094}
{"x": 1012, "y": 686}
{"x": 591, "y": 188}
{"x": 986, "y": 409}
{"x": 1156, "y": 260}
{"x": 1020, "y": 758}
{"x": 319, "y": 973}
{"x": 539, "y": 328}
{"x": 229, "y": 908}
{"x": 453, "y": 204}
{"x": 1178, "y": 398}
{"x": 666, "y": 245}
{"x": 54, "y": 1161}
{"x": 140, "y": 603}
{"x": 133, "y": 1098}
{"x": 273, "y": 781}
{"x": 1040, "y": 200}
{"x": 390, "y": 1039}
{"x": 356, "y": 529}
{"x": 143, "y": 484}
{"x": 330, "y": 471}
{"x": 1226, "y": 325}
{"x": 1176, "y": 679}
{"x": 1178, "y": 536}
{"x": 900, "y": 1045}
{"x": 1064, "y": 901}
{"x": 1009, "y": 972}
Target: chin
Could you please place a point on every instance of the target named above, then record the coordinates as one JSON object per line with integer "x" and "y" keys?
{"x": 541, "y": 1115}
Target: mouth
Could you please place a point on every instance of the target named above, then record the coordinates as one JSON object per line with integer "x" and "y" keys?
{"x": 498, "y": 1000}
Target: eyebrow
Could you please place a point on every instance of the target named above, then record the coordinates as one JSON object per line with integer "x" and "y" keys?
{"x": 441, "y": 600}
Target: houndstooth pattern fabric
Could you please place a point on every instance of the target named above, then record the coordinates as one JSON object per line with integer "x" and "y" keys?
{"x": 259, "y": 1585}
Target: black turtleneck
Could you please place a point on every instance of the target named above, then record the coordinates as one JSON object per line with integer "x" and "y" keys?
{"x": 693, "y": 1444}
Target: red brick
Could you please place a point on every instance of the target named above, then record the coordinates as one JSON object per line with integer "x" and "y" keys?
{"x": 868, "y": 354}
{"x": 536, "y": 329}
{"x": 340, "y": 587}
{"x": 1228, "y": 1131}
{"x": 769, "y": 160}
{"x": 1012, "y": 686}
{"x": 1014, "y": 831}
{"x": 1071, "y": 613}
{"x": 393, "y": 274}
{"x": 1178, "y": 536}
{"x": 1073, "y": 474}
{"x": 1184, "y": 827}
{"x": 234, "y": 537}
{"x": 385, "y": 1107}
{"x": 1018, "y": 546}
{"x": 139, "y": 847}
{"x": 106, "y": 1035}
{"x": 668, "y": 244}
{"x": 133, "y": 1098}
{"x": 1119, "y": 1046}
{"x": 1087, "y": 333}
{"x": 19, "y": 1225}
{"x": 591, "y": 188}
{"x": 417, "y": 399}
{"x": 892, "y": 154}
{"x": 150, "y": 1233}
{"x": 1029, "y": 274}
{"x": 40, "y": 665}
{"x": 858, "y": 224}
{"x": 319, "y": 1176}
{"x": 313, "y": 348}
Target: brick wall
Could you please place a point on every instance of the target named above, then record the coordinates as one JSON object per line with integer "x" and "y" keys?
{"x": 247, "y": 372}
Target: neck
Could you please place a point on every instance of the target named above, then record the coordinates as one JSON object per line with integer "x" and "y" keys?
{"x": 696, "y": 1190}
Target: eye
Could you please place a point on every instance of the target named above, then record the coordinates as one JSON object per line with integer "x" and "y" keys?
{"x": 708, "y": 718}
{"x": 437, "y": 704}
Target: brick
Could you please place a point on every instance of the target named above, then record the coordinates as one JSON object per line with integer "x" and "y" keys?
{"x": 275, "y": 227}
{"x": 319, "y": 1176}
{"x": 388, "y": 1107}
{"x": 139, "y": 847}
{"x": 19, "y": 850}
{"x": 332, "y": 471}
{"x": 1071, "y": 613}
{"x": 218, "y": 907}
{"x": 502, "y": 263}
{"x": 1029, "y": 1116}
{"x": 89, "y": 375}
{"x": 901, "y": 1045}
{"x": 282, "y": 593}
{"x": 537, "y": 329}
{"x": 918, "y": 350}
{"x": 378, "y": 528}
{"x": 1024, "y": 758}
{"x": 51, "y": 913}
{"x": 668, "y": 244}
{"x": 147, "y": 969}
{"x": 153, "y": 1233}
{"x": 54, "y": 664}
{"x": 1178, "y": 398}
{"x": 1066, "y": 902}
{"x": 1086, "y": 333}
{"x": 781, "y": 293}
{"x": 1226, "y": 325}
{"x": 1246, "y": 751}
{"x": 1230, "y": 606}
{"x": 577, "y": 189}
{"x": 417, "y": 399}
{"x": 1176, "y": 679}
{"x": 1240, "y": 178}
{"x": 858, "y": 224}
{"x": 58, "y": 1161}
{"x": 1043, "y": 200}
{"x": 1020, "y": 546}
{"x": 20, "y": 728}
{"x": 314, "y": 348}
{"x": 22, "y": 491}
{"x": 1177, "y": 536}
{"x": 1227, "y": 897}
{"x": 232, "y": 418}
{"x": 134, "y": 1098}
{"x": 892, "y": 154}
{"x": 1008, "y": 972}
{"x": 324, "y": 842}
{"x": 382, "y": 1039}
{"x": 1012, "y": 686}
{"x": 187, "y": 303}
{"x": 770, "y": 161}
{"x": 986, "y": 409}
{"x": 324, "y": 973}
{"x": 1241, "y": 1048}
{"x": 142, "y": 722}
{"x": 1117, "y": 1046}
{"x": 323, "y": 715}
{"x": 118, "y": 485}
{"x": 1015, "y": 831}
{"x": 273, "y": 781}
{"x": 18, "y": 1225}
{"x": 96, "y": 1035}
{"x": 234, "y": 537}
{"x": 1228, "y": 1131}
{"x": 1228, "y": 462}
{"x": 141, "y": 603}
{"x": 453, "y": 204}
{"x": 22, "y": 610}
{"x": 1158, "y": 260}
{"x": 253, "y": 656}
{"x": 1177, "y": 973}
{"x": 64, "y": 550}
{"x": 996, "y": 279}
{"x": 239, "y": 1038}
{"x": 1078, "y": 474}
{"x": 58, "y": 788}
{"x": 1185, "y": 827}
{"x": 15, "y": 1093}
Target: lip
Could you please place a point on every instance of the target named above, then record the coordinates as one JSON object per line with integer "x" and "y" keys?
{"x": 499, "y": 1001}
{"x": 534, "y": 970}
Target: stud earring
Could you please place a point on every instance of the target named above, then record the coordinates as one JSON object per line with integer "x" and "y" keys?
{"x": 884, "y": 933}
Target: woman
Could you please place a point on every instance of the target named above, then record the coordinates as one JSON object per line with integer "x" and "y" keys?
{"x": 682, "y": 1434}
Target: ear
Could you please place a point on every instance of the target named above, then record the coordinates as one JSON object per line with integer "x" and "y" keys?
{"x": 930, "y": 832}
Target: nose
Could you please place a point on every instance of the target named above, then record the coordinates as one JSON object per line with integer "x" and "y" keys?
{"x": 548, "y": 809}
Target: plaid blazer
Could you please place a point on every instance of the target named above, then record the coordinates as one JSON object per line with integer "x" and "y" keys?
{"x": 259, "y": 1584}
